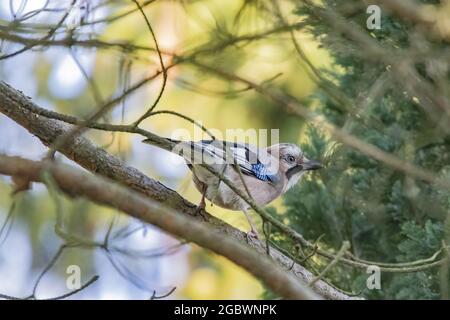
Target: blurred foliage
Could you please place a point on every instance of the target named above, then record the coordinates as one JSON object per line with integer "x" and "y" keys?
{"x": 386, "y": 215}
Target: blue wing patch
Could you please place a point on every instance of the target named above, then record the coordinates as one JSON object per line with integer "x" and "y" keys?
{"x": 260, "y": 172}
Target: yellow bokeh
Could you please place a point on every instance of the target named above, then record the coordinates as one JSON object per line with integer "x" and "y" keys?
{"x": 225, "y": 281}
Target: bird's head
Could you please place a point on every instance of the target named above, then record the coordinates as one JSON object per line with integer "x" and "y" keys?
{"x": 292, "y": 163}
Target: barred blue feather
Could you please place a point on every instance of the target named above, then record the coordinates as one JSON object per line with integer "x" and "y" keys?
{"x": 260, "y": 172}
{"x": 246, "y": 156}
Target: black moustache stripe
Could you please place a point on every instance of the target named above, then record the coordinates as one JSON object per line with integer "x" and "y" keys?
{"x": 293, "y": 171}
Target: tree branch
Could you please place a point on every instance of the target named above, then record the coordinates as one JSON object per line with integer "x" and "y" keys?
{"x": 103, "y": 191}
{"x": 16, "y": 106}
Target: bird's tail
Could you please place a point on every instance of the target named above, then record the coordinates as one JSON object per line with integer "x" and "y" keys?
{"x": 193, "y": 152}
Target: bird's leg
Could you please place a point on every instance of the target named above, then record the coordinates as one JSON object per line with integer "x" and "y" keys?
{"x": 197, "y": 181}
{"x": 252, "y": 233}
{"x": 202, "y": 204}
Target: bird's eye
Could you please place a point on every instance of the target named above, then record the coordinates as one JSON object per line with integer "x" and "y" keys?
{"x": 290, "y": 158}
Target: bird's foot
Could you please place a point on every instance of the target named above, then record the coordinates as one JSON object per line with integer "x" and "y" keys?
{"x": 201, "y": 205}
{"x": 252, "y": 234}
{"x": 200, "y": 211}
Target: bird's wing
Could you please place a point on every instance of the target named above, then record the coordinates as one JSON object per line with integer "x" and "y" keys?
{"x": 248, "y": 157}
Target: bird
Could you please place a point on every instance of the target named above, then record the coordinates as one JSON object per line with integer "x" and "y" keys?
{"x": 266, "y": 173}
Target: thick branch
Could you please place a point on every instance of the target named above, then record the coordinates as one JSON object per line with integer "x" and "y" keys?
{"x": 103, "y": 191}
{"x": 16, "y": 106}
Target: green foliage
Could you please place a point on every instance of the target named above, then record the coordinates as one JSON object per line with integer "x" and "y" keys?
{"x": 386, "y": 215}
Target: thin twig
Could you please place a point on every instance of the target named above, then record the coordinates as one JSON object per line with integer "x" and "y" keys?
{"x": 345, "y": 247}
{"x": 164, "y": 70}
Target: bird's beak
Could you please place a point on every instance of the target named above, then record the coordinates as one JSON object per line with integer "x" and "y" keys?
{"x": 311, "y": 165}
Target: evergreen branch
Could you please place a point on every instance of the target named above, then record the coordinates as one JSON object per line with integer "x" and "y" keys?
{"x": 291, "y": 105}
{"x": 345, "y": 247}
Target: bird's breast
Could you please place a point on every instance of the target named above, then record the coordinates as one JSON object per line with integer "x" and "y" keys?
{"x": 220, "y": 194}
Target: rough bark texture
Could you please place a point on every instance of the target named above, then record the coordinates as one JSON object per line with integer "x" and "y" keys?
{"x": 16, "y": 106}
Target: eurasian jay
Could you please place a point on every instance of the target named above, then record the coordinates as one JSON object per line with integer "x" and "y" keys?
{"x": 267, "y": 172}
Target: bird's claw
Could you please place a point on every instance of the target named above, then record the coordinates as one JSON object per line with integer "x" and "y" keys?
{"x": 252, "y": 234}
{"x": 200, "y": 211}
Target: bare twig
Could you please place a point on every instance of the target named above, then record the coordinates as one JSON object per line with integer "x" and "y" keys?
{"x": 164, "y": 70}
